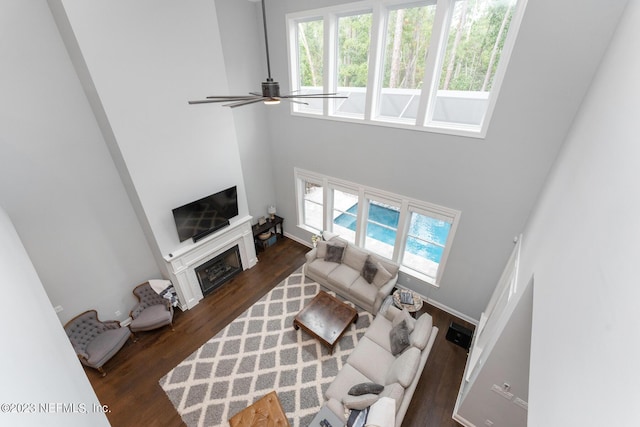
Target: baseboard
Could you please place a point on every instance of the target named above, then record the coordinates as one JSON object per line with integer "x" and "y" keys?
{"x": 299, "y": 240}
{"x": 462, "y": 421}
{"x": 451, "y": 311}
{"x": 442, "y": 307}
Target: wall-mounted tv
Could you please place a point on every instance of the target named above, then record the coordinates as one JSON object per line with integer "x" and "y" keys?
{"x": 202, "y": 217}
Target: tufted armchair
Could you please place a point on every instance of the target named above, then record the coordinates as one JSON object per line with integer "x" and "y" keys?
{"x": 152, "y": 311}
{"x": 94, "y": 341}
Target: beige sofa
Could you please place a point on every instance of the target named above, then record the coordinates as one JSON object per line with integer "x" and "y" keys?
{"x": 357, "y": 275}
{"x": 372, "y": 361}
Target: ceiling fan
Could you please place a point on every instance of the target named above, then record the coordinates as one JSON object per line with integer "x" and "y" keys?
{"x": 270, "y": 89}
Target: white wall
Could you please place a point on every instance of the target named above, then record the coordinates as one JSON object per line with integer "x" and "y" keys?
{"x": 146, "y": 59}
{"x": 241, "y": 25}
{"x": 495, "y": 181}
{"x": 57, "y": 181}
{"x": 39, "y": 364}
{"x": 581, "y": 245}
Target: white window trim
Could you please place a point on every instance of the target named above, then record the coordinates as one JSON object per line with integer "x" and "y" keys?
{"x": 300, "y": 178}
{"x": 407, "y": 206}
{"x": 380, "y": 9}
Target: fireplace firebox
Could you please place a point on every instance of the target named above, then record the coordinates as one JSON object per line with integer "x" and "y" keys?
{"x": 217, "y": 271}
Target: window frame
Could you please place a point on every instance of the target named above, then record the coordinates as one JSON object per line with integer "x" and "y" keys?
{"x": 365, "y": 196}
{"x": 380, "y": 10}
{"x": 301, "y": 179}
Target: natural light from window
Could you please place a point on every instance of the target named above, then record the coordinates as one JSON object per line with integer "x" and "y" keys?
{"x": 433, "y": 65}
{"x": 417, "y": 235}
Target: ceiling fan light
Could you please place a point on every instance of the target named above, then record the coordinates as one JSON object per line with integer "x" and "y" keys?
{"x": 272, "y": 101}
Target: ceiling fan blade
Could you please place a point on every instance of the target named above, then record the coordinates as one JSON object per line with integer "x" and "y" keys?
{"x": 221, "y": 99}
{"x": 241, "y": 103}
{"x": 297, "y": 102}
{"x": 207, "y": 101}
{"x": 233, "y": 96}
{"x": 329, "y": 96}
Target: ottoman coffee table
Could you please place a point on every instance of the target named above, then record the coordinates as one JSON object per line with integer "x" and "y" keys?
{"x": 326, "y": 318}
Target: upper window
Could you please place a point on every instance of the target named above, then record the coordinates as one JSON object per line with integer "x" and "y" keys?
{"x": 432, "y": 65}
{"x": 352, "y": 70}
{"x": 415, "y": 234}
{"x": 310, "y": 62}
{"x": 408, "y": 35}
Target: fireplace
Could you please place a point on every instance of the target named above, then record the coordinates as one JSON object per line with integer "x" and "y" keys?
{"x": 183, "y": 262}
{"x": 215, "y": 272}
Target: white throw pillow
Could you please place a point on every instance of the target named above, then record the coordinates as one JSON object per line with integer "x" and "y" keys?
{"x": 382, "y": 413}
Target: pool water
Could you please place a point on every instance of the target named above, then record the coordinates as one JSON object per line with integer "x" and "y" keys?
{"x": 383, "y": 223}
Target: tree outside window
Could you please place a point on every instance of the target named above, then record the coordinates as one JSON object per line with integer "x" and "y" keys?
{"x": 310, "y": 63}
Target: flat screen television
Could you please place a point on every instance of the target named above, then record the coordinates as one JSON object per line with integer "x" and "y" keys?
{"x": 202, "y": 217}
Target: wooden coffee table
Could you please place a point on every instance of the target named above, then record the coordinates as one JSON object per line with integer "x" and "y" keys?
{"x": 326, "y": 318}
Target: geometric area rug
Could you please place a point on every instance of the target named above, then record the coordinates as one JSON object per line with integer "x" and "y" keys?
{"x": 258, "y": 352}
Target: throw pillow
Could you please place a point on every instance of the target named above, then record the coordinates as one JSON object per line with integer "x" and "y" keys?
{"x": 327, "y": 235}
{"x": 334, "y": 253}
{"x": 354, "y": 257}
{"x": 321, "y": 249}
{"x": 403, "y": 370}
{"x": 365, "y": 388}
{"x": 404, "y": 316}
{"x": 382, "y": 276}
{"x": 399, "y": 337}
{"x": 422, "y": 331}
{"x": 369, "y": 270}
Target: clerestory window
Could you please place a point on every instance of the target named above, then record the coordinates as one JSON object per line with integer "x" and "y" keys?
{"x": 433, "y": 65}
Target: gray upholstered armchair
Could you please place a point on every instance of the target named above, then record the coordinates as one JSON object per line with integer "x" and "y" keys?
{"x": 152, "y": 311}
{"x": 94, "y": 341}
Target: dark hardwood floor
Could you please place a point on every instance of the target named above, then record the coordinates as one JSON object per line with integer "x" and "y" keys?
{"x": 134, "y": 397}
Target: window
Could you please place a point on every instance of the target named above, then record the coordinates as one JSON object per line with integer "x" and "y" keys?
{"x": 382, "y": 227}
{"x": 312, "y": 205}
{"x": 310, "y": 43}
{"x": 417, "y": 235}
{"x": 353, "y": 63}
{"x": 345, "y": 214}
{"x": 474, "y": 43}
{"x": 433, "y": 65}
{"x": 407, "y": 44}
{"x": 426, "y": 240}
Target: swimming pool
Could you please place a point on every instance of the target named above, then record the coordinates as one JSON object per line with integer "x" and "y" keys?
{"x": 383, "y": 223}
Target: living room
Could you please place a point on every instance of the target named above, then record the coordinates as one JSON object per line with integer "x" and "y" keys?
{"x": 88, "y": 209}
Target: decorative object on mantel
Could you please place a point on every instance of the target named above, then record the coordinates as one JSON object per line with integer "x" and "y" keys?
{"x": 262, "y": 220}
{"x": 270, "y": 90}
{"x": 271, "y": 210}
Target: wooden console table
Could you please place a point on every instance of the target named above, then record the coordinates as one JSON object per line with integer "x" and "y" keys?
{"x": 275, "y": 224}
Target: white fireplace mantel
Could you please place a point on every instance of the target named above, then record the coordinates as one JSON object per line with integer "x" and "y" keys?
{"x": 183, "y": 262}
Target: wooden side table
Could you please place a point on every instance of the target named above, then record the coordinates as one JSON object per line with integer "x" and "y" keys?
{"x": 276, "y": 224}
